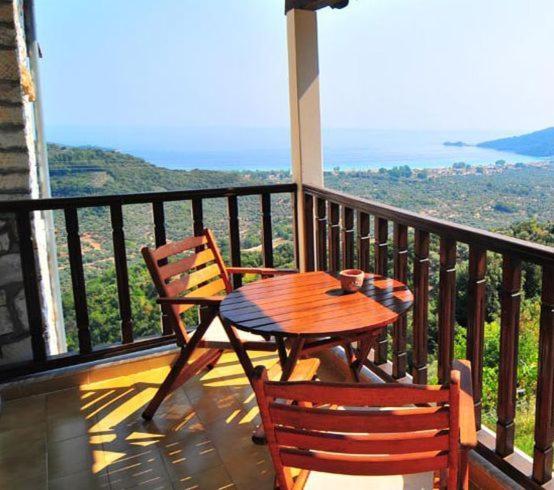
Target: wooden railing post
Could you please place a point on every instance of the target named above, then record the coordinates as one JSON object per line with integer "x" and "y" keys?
{"x": 544, "y": 435}
{"x": 78, "y": 280}
{"x": 507, "y": 373}
{"x": 421, "y": 306}
{"x": 476, "y": 302}
{"x": 234, "y": 235}
{"x": 334, "y": 237}
{"x": 364, "y": 241}
{"x": 267, "y": 230}
{"x": 399, "y": 356}
{"x": 122, "y": 274}
{"x": 321, "y": 234}
{"x": 309, "y": 259}
{"x": 447, "y": 307}
{"x": 31, "y": 285}
{"x": 160, "y": 239}
{"x": 347, "y": 237}
{"x": 197, "y": 217}
{"x": 381, "y": 244}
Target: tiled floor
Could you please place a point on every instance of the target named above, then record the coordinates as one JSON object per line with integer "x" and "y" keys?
{"x": 94, "y": 436}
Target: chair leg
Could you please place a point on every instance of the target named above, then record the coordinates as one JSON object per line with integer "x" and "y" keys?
{"x": 175, "y": 378}
{"x": 165, "y": 387}
{"x": 463, "y": 476}
{"x": 212, "y": 364}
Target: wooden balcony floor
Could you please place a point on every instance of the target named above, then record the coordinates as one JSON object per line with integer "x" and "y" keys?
{"x": 94, "y": 437}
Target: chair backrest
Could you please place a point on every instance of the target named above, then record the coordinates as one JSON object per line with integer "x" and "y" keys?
{"x": 190, "y": 267}
{"x": 392, "y": 429}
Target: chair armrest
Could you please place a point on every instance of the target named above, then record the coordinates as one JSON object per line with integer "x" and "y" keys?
{"x": 468, "y": 434}
{"x": 261, "y": 271}
{"x": 191, "y": 300}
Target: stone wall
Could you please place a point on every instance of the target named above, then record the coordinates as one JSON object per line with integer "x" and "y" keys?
{"x": 21, "y": 173}
{"x": 14, "y": 183}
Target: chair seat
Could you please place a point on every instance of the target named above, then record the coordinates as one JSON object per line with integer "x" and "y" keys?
{"x": 323, "y": 481}
{"x": 216, "y": 338}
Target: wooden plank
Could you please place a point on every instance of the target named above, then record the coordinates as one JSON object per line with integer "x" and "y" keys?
{"x": 381, "y": 421}
{"x": 185, "y": 264}
{"x": 309, "y": 259}
{"x": 476, "y": 311}
{"x": 122, "y": 275}
{"x": 267, "y": 231}
{"x": 447, "y": 299}
{"x": 348, "y": 237}
{"x": 358, "y": 395}
{"x": 544, "y": 435}
{"x": 510, "y": 298}
{"x": 78, "y": 280}
{"x": 333, "y": 213}
{"x": 234, "y": 236}
{"x": 421, "y": 306}
{"x": 400, "y": 254}
{"x": 174, "y": 248}
{"x": 363, "y": 444}
{"x": 381, "y": 259}
{"x": 321, "y": 234}
{"x": 364, "y": 242}
{"x": 31, "y": 285}
{"x": 179, "y": 286}
{"x": 389, "y": 465}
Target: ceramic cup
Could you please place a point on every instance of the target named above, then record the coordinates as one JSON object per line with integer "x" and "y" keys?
{"x": 351, "y": 280}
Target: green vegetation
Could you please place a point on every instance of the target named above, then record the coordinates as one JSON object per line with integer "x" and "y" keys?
{"x": 517, "y": 202}
{"x": 466, "y": 199}
{"x": 536, "y": 144}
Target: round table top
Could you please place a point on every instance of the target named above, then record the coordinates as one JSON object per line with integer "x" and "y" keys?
{"x": 312, "y": 304}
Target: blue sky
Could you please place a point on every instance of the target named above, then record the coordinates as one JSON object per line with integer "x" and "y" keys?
{"x": 385, "y": 64}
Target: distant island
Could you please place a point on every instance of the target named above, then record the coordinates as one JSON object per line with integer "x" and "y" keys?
{"x": 455, "y": 143}
{"x": 536, "y": 144}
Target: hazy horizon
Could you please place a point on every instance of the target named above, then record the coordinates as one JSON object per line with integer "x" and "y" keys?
{"x": 394, "y": 64}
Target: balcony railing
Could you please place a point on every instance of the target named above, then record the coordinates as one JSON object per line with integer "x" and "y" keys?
{"x": 341, "y": 231}
{"x": 334, "y": 242}
{"x": 23, "y": 211}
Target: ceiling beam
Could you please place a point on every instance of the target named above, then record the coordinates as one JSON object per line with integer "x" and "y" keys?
{"x": 314, "y": 4}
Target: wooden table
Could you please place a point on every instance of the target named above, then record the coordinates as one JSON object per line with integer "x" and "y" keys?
{"x": 308, "y": 311}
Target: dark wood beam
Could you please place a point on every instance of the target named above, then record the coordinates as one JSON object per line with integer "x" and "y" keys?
{"x": 314, "y": 4}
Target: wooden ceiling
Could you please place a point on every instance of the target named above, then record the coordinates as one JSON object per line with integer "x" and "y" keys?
{"x": 314, "y": 4}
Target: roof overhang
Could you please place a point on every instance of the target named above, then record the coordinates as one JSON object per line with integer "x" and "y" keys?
{"x": 314, "y": 4}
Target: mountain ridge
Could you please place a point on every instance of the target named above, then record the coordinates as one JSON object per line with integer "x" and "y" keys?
{"x": 536, "y": 144}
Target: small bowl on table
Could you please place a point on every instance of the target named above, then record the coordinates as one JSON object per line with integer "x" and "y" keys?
{"x": 351, "y": 280}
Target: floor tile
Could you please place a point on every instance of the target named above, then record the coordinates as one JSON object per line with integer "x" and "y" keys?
{"x": 191, "y": 455}
{"x": 23, "y": 412}
{"x": 74, "y": 456}
{"x": 83, "y": 480}
{"x": 144, "y": 468}
{"x": 216, "y": 478}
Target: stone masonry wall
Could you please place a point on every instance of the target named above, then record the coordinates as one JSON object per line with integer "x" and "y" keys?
{"x": 15, "y": 182}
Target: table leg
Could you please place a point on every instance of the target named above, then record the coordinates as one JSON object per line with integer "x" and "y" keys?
{"x": 292, "y": 359}
{"x": 364, "y": 346}
{"x": 282, "y": 350}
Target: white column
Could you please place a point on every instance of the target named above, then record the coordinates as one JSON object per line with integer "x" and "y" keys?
{"x": 305, "y": 120}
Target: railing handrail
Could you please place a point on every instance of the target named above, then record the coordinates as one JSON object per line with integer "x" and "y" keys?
{"x": 47, "y": 204}
{"x": 488, "y": 240}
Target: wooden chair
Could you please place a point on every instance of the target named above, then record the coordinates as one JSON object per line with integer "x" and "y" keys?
{"x": 190, "y": 273}
{"x": 423, "y": 439}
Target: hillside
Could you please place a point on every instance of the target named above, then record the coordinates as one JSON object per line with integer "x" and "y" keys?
{"x": 536, "y": 144}
{"x": 77, "y": 171}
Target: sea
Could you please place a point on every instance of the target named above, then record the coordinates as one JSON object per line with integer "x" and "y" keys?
{"x": 224, "y": 148}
